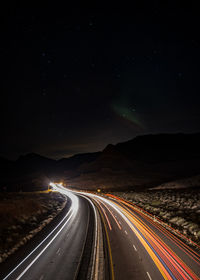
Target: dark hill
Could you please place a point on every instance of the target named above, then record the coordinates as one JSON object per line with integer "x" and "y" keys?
{"x": 144, "y": 161}
{"x": 34, "y": 161}
{"x": 76, "y": 160}
{"x": 162, "y": 147}
{"x": 33, "y": 171}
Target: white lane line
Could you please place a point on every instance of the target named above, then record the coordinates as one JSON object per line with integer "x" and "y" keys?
{"x": 39, "y": 244}
{"x": 27, "y": 268}
{"x": 58, "y": 252}
{"x": 149, "y": 275}
{"x": 126, "y": 232}
{"x": 134, "y": 247}
{"x": 41, "y": 277}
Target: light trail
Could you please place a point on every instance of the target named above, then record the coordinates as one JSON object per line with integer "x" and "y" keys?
{"x": 141, "y": 211}
{"x": 180, "y": 244}
{"x": 158, "y": 242}
{"x": 52, "y": 235}
{"x": 105, "y": 215}
{"x": 112, "y": 215}
{"x": 167, "y": 262}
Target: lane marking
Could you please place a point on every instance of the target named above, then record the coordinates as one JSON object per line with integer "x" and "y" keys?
{"x": 134, "y": 247}
{"x": 58, "y": 252}
{"x": 108, "y": 242}
{"x": 121, "y": 212}
{"x": 48, "y": 244}
{"x": 105, "y": 215}
{"x": 126, "y": 232}
{"x": 41, "y": 277}
{"x": 95, "y": 266}
{"x": 51, "y": 233}
{"x": 142, "y": 231}
{"x": 149, "y": 275}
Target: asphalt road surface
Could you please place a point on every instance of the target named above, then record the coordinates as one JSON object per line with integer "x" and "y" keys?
{"x": 58, "y": 254}
{"x": 134, "y": 245}
{"x": 140, "y": 248}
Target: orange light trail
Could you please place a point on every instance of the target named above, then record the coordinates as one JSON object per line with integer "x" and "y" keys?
{"x": 168, "y": 263}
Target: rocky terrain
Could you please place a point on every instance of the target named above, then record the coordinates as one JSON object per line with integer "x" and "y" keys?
{"x": 178, "y": 208}
{"x": 23, "y": 215}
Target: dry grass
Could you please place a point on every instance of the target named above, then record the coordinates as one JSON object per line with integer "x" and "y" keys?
{"x": 178, "y": 208}
{"x": 22, "y": 213}
{"x": 12, "y": 209}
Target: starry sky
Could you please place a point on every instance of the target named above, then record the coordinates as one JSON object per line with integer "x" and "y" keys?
{"x": 76, "y": 79}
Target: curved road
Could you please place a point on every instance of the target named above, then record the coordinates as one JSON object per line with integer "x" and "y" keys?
{"x": 57, "y": 254}
{"x": 110, "y": 238}
{"x": 140, "y": 248}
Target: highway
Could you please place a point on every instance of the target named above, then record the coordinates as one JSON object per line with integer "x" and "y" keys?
{"x": 140, "y": 248}
{"x": 58, "y": 253}
{"x": 104, "y": 237}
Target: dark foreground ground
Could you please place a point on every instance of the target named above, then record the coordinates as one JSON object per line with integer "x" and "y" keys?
{"x": 23, "y": 215}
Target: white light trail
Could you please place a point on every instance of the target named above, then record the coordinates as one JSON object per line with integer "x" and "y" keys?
{"x": 72, "y": 212}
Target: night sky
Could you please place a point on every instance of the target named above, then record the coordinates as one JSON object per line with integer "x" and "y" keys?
{"x": 76, "y": 79}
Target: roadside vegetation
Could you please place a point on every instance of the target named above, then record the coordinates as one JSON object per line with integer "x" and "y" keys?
{"x": 23, "y": 215}
{"x": 178, "y": 208}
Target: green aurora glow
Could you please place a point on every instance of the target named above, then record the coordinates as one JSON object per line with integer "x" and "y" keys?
{"x": 128, "y": 114}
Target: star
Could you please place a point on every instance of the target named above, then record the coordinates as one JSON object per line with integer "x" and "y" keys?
{"x": 44, "y": 92}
